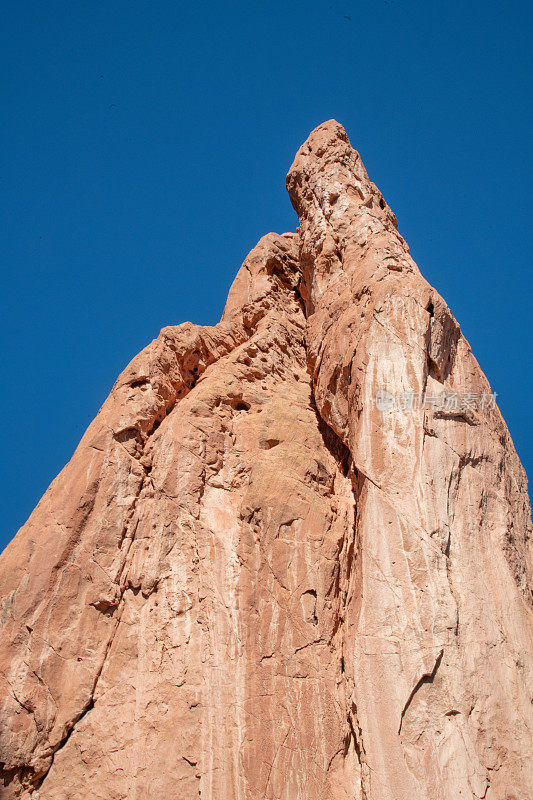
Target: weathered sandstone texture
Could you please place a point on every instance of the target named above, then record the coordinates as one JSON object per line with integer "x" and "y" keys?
{"x": 252, "y": 581}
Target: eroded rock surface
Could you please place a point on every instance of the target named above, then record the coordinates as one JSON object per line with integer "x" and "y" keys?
{"x": 252, "y": 580}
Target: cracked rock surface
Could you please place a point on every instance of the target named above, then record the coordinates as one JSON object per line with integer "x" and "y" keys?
{"x": 252, "y": 581}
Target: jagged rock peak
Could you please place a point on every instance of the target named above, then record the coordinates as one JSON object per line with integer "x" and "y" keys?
{"x": 291, "y": 557}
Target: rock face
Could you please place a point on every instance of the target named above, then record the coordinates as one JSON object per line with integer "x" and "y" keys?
{"x": 291, "y": 557}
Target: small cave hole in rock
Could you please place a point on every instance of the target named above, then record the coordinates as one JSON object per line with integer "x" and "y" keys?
{"x": 309, "y": 606}
{"x": 268, "y": 444}
{"x": 138, "y": 383}
{"x": 240, "y": 405}
{"x": 431, "y": 309}
{"x": 381, "y": 203}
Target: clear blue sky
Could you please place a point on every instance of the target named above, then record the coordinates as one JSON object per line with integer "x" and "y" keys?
{"x": 144, "y": 152}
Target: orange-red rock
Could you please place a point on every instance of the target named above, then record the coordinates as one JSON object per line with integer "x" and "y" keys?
{"x": 257, "y": 579}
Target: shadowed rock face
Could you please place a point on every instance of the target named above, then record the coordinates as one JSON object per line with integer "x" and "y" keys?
{"x": 252, "y": 580}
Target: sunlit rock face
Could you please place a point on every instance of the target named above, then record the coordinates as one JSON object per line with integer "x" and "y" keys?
{"x": 290, "y": 559}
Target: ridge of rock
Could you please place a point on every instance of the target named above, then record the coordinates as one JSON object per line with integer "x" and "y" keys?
{"x": 252, "y": 580}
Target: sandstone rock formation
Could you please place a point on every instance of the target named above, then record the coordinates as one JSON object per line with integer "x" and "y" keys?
{"x": 257, "y": 580}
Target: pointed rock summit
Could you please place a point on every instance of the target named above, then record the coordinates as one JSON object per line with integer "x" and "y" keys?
{"x": 291, "y": 558}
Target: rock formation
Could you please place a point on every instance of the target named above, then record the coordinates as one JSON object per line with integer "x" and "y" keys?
{"x": 291, "y": 557}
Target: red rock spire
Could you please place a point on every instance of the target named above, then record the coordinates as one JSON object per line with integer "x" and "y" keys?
{"x": 291, "y": 556}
